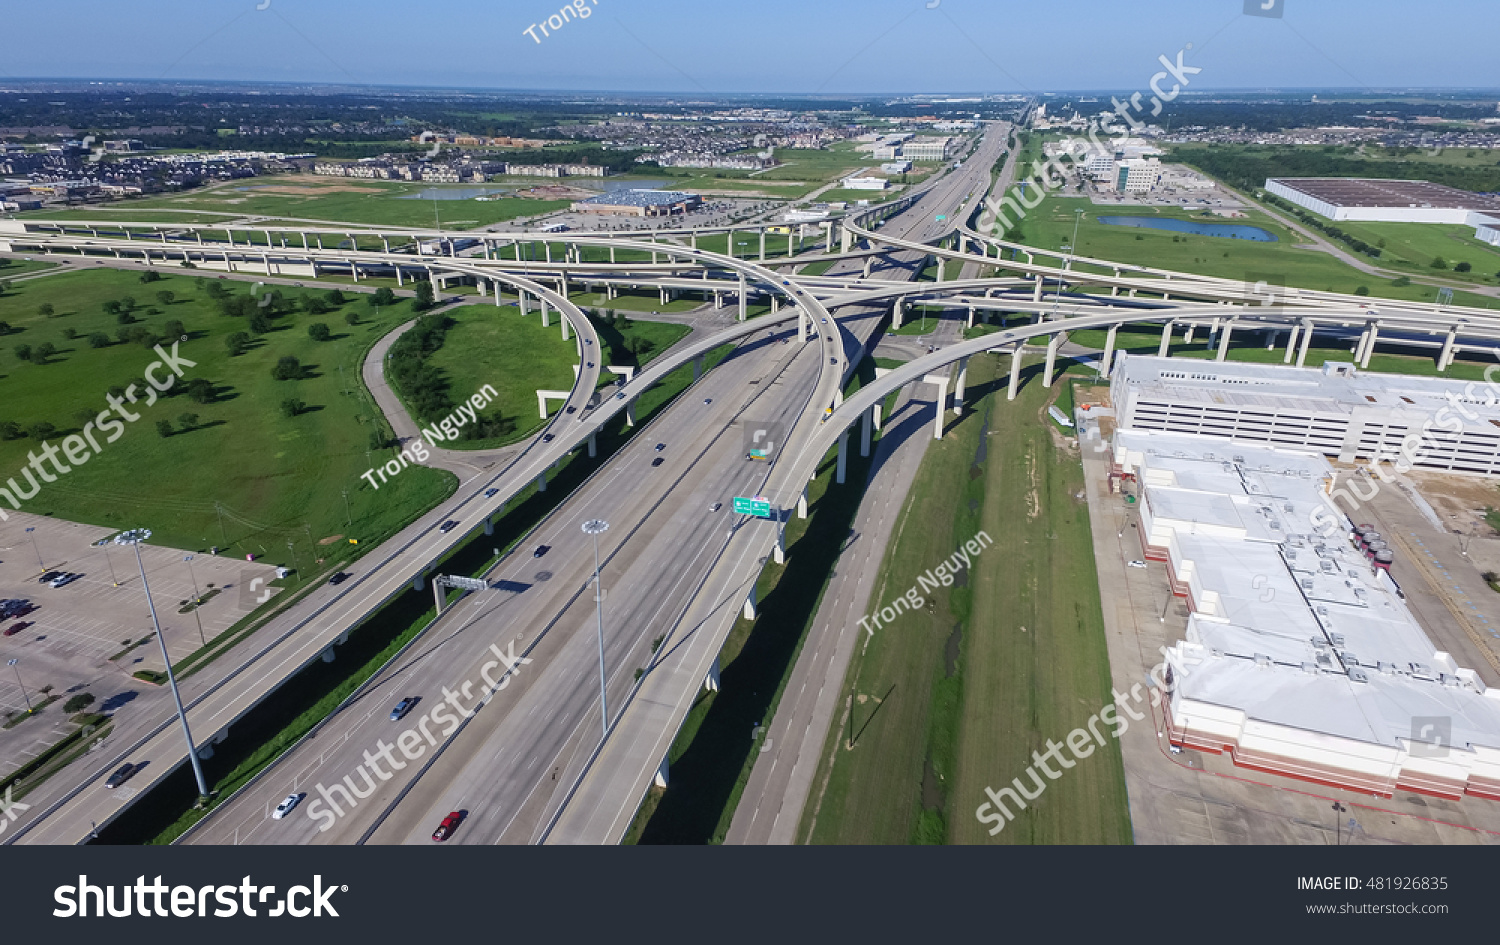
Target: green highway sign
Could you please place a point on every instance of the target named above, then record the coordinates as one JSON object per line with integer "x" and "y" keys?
{"x": 760, "y": 508}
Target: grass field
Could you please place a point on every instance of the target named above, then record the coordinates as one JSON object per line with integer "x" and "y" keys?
{"x": 275, "y": 477}
{"x": 308, "y": 197}
{"x": 954, "y": 696}
{"x": 1051, "y": 226}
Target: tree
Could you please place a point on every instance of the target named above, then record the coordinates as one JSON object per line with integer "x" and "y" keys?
{"x": 335, "y": 297}
{"x": 82, "y": 417}
{"x": 313, "y": 305}
{"x": 378, "y": 440}
{"x": 41, "y": 430}
{"x": 260, "y": 322}
{"x": 200, "y": 390}
{"x": 166, "y": 297}
{"x": 318, "y": 331}
{"x": 351, "y": 317}
{"x": 287, "y": 369}
{"x": 1401, "y": 282}
{"x": 174, "y": 329}
{"x": 150, "y": 276}
{"x": 1439, "y": 262}
{"x": 112, "y": 307}
{"x": 237, "y": 343}
{"x": 23, "y": 352}
{"x": 164, "y": 428}
{"x": 200, "y": 283}
{"x": 124, "y": 317}
{"x": 5, "y": 328}
{"x": 383, "y": 296}
{"x": 42, "y": 352}
{"x": 291, "y": 407}
{"x": 10, "y": 430}
{"x": 70, "y": 333}
{"x": 424, "y": 296}
{"x": 78, "y": 703}
{"x": 188, "y": 421}
{"x": 46, "y": 310}
{"x": 1462, "y": 267}
{"x": 98, "y": 340}
{"x": 1362, "y": 290}
{"x": 127, "y": 303}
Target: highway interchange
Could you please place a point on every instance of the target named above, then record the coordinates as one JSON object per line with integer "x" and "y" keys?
{"x": 525, "y": 760}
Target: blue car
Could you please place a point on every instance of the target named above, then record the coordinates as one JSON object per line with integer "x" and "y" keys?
{"x": 403, "y": 707}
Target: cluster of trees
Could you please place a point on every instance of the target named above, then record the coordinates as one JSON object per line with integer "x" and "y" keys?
{"x": 636, "y": 347}
{"x": 423, "y": 385}
{"x": 1328, "y": 229}
{"x": 1249, "y": 166}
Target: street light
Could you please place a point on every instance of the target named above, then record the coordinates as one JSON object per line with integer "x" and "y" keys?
{"x": 34, "y": 548}
{"x": 1073, "y": 247}
{"x": 1337, "y": 824}
{"x": 595, "y": 527}
{"x": 134, "y": 537}
{"x": 12, "y": 665}
{"x": 197, "y": 598}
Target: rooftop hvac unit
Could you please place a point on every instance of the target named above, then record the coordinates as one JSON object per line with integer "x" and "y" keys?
{"x": 1357, "y": 675}
{"x": 1263, "y": 660}
{"x": 1421, "y": 669}
{"x": 1349, "y": 659}
{"x": 1307, "y": 584}
{"x": 1449, "y": 680}
{"x": 1310, "y": 669}
{"x": 1336, "y": 638}
{"x": 1386, "y": 668}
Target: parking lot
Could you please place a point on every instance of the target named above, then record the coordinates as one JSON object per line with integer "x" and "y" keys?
{"x": 75, "y": 629}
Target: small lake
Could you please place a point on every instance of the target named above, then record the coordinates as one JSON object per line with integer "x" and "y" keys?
{"x": 1238, "y": 231}
{"x": 455, "y": 193}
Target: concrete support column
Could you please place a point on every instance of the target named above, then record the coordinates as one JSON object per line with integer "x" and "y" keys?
{"x": 541, "y": 481}
{"x": 864, "y": 433}
{"x": 898, "y": 314}
{"x": 521, "y": 301}
{"x": 1015, "y": 372}
{"x": 1445, "y": 357}
{"x": 762, "y": 245}
{"x": 546, "y": 313}
{"x": 563, "y": 321}
{"x": 1164, "y": 349}
{"x": 843, "y": 460}
{"x": 868, "y": 261}
{"x": 846, "y": 238}
{"x": 630, "y": 412}
{"x": 1224, "y": 340}
{"x": 941, "y": 383}
{"x": 958, "y": 388}
{"x": 711, "y": 681}
{"x": 802, "y": 503}
{"x": 593, "y": 446}
{"x": 1052, "y": 347}
{"x": 438, "y": 593}
{"x": 1291, "y": 343}
{"x": 697, "y": 367}
{"x": 875, "y": 412}
{"x": 661, "y": 775}
{"x": 970, "y": 323}
{"x": 1036, "y": 292}
{"x": 743, "y": 300}
{"x": 1109, "y": 350}
{"x": 803, "y": 323}
{"x": 1187, "y": 336}
{"x": 750, "y": 602}
{"x": 1307, "y": 332}
{"x": 778, "y": 551}
{"x": 419, "y": 582}
{"x": 1374, "y": 333}
{"x": 489, "y": 524}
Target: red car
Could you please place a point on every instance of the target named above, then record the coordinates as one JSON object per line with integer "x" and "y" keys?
{"x": 449, "y": 824}
{"x": 16, "y": 628}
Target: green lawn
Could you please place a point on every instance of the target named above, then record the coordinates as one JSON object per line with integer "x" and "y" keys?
{"x": 1051, "y": 226}
{"x": 953, "y": 696}
{"x": 275, "y": 478}
{"x": 371, "y": 202}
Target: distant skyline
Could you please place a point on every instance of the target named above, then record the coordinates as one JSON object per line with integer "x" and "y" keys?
{"x": 771, "y": 46}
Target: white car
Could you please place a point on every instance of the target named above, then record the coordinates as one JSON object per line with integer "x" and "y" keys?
{"x": 288, "y": 805}
{"x": 1138, "y": 563}
{"x": 63, "y": 580}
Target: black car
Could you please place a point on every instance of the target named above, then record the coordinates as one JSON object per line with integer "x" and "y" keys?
{"x": 572, "y": 409}
{"x": 49, "y": 577}
{"x": 833, "y": 360}
{"x": 338, "y": 578}
{"x": 491, "y": 493}
{"x": 660, "y": 447}
{"x": 541, "y": 550}
{"x": 448, "y": 526}
{"x": 657, "y": 461}
{"x": 120, "y": 776}
{"x": 547, "y": 437}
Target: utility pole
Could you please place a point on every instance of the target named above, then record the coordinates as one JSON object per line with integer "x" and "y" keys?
{"x": 12, "y": 665}
{"x": 348, "y": 510}
{"x": 595, "y": 528}
{"x": 197, "y": 598}
{"x": 220, "y": 512}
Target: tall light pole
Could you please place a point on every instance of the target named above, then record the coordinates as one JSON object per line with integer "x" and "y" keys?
{"x": 596, "y": 527}
{"x": 29, "y": 534}
{"x": 12, "y": 665}
{"x": 197, "y": 598}
{"x": 134, "y": 537}
{"x": 1073, "y": 247}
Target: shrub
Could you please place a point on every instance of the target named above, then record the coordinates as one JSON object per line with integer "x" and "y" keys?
{"x": 42, "y": 352}
{"x": 70, "y": 333}
{"x": 1439, "y": 262}
{"x": 351, "y": 317}
{"x": 78, "y": 703}
{"x": 164, "y": 428}
{"x": 23, "y": 352}
{"x": 200, "y": 390}
{"x": 124, "y": 317}
{"x": 237, "y": 343}
{"x": 383, "y": 296}
{"x": 149, "y": 276}
{"x": 41, "y": 430}
{"x": 10, "y": 430}
{"x": 46, "y": 310}
{"x": 1362, "y": 290}
{"x": 335, "y": 297}
{"x": 188, "y": 421}
{"x": 1401, "y": 282}
{"x": 291, "y": 407}
{"x": 1462, "y": 267}
{"x": 166, "y": 297}
{"x": 260, "y": 322}
{"x": 98, "y": 340}
{"x": 175, "y": 329}
{"x": 318, "y": 331}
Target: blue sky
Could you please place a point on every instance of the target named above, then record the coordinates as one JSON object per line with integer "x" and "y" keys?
{"x": 831, "y": 46}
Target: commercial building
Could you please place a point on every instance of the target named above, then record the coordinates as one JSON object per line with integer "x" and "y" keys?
{"x": 929, "y": 149}
{"x": 1428, "y": 422}
{"x": 1386, "y": 201}
{"x": 865, "y": 183}
{"x": 1137, "y": 175}
{"x": 640, "y": 203}
{"x": 896, "y": 167}
{"x": 1300, "y": 658}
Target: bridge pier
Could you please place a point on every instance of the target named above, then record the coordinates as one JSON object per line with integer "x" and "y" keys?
{"x": 1374, "y": 331}
{"x": 1164, "y": 350}
{"x": 750, "y": 602}
{"x": 1291, "y": 343}
{"x": 489, "y": 524}
{"x": 1445, "y": 357}
{"x": 941, "y": 383}
{"x": 593, "y": 449}
{"x": 1015, "y": 372}
{"x": 1109, "y": 350}
{"x": 541, "y": 481}
{"x": 419, "y": 582}
{"x": 1307, "y": 332}
{"x": 1224, "y": 336}
{"x": 563, "y": 320}
{"x": 630, "y": 412}
{"x": 711, "y": 681}
{"x": 439, "y": 596}
{"x": 898, "y": 313}
{"x": 778, "y": 553}
{"x": 1036, "y": 292}
{"x": 958, "y": 388}
{"x": 762, "y": 244}
{"x": 743, "y": 300}
{"x": 661, "y": 775}
{"x": 868, "y": 261}
{"x": 802, "y": 503}
{"x": 843, "y": 460}
{"x": 971, "y": 317}
{"x": 1052, "y": 346}
{"x": 866, "y": 420}
{"x": 875, "y": 416}
{"x": 1187, "y": 336}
